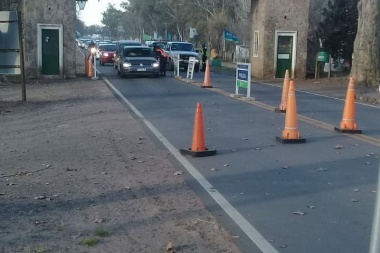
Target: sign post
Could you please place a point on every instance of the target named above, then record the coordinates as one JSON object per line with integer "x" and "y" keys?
{"x": 243, "y": 78}
{"x": 190, "y": 68}
{"x": 176, "y": 58}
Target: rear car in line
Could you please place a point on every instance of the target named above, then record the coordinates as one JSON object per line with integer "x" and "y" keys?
{"x": 106, "y": 53}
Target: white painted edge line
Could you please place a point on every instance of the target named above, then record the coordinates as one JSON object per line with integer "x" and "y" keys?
{"x": 234, "y": 214}
{"x": 318, "y": 95}
{"x": 97, "y": 70}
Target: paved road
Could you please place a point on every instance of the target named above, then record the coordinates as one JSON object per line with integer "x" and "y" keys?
{"x": 269, "y": 183}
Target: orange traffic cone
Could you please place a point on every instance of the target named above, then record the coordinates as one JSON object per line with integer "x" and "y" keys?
{"x": 284, "y": 97}
{"x": 348, "y": 124}
{"x": 206, "y": 82}
{"x": 198, "y": 147}
{"x": 290, "y": 133}
{"x": 86, "y": 65}
{"x": 90, "y": 67}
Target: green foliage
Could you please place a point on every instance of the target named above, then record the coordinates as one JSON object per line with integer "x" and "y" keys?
{"x": 338, "y": 29}
{"x": 88, "y": 242}
{"x": 101, "y": 232}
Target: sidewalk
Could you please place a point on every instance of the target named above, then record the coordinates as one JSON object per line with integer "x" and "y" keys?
{"x": 335, "y": 86}
{"x": 79, "y": 174}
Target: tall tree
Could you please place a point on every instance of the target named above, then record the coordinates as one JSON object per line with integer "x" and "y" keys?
{"x": 111, "y": 19}
{"x": 338, "y": 28}
{"x": 366, "y": 61}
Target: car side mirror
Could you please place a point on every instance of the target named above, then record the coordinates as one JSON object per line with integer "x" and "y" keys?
{"x": 197, "y": 51}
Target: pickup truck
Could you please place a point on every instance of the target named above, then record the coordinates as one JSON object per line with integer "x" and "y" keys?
{"x": 185, "y": 50}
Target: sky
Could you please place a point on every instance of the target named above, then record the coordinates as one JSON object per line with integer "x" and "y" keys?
{"x": 92, "y": 13}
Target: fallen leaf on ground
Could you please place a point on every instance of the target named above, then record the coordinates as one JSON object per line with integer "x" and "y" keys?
{"x": 98, "y": 220}
{"x": 178, "y": 173}
{"x": 213, "y": 169}
{"x": 245, "y": 139}
{"x": 170, "y": 247}
{"x": 128, "y": 188}
{"x": 311, "y": 207}
{"x": 299, "y": 213}
{"x": 322, "y": 169}
{"x": 76, "y": 236}
{"x": 226, "y": 165}
{"x": 338, "y": 146}
{"x": 40, "y": 197}
{"x": 216, "y": 227}
{"x": 356, "y": 190}
{"x": 354, "y": 200}
{"x": 367, "y": 163}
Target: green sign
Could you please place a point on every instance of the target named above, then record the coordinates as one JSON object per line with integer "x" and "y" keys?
{"x": 242, "y": 84}
{"x": 323, "y": 56}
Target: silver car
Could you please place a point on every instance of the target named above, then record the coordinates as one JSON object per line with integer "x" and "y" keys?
{"x": 138, "y": 60}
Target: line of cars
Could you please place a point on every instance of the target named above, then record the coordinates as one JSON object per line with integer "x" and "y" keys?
{"x": 132, "y": 58}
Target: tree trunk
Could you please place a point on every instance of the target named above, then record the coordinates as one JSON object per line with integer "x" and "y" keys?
{"x": 366, "y": 57}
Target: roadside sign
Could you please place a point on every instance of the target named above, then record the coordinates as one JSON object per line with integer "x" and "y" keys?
{"x": 190, "y": 68}
{"x": 243, "y": 77}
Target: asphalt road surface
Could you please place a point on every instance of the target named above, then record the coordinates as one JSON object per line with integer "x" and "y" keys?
{"x": 313, "y": 197}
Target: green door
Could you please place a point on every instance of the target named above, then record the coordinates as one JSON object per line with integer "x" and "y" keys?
{"x": 50, "y": 51}
{"x": 284, "y": 55}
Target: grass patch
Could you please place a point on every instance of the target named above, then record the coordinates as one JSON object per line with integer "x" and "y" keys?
{"x": 39, "y": 249}
{"x": 90, "y": 241}
{"x": 101, "y": 232}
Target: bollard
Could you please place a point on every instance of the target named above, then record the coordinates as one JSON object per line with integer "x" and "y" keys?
{"x": 90, "y": 67}
{"x": 86, "y": 65}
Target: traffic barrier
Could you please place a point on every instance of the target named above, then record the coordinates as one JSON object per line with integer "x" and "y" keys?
{"x": 290, "y": 133}
{"x": 198, "y": 147}
{"x": 86, "y": 65}
{"x": 206, "y": 82}
{"x": 348, "y": 124}
{"x": 90, "y": 67}
{"x": 284, "y": 97}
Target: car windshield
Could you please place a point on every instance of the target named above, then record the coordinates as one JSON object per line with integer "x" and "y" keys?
{"x": 138, "y": 52}
{"x": 182, "y": 47}
{"x": 107, "y": 47}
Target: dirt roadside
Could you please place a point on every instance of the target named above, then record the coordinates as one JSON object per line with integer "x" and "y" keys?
{"x": 79, "y": 174}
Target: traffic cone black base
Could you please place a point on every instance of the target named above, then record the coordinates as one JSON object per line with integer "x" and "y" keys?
{"x": 203, "y": 153}
{"x": 348, "y": 131}
{"x": 208, "y": 86}
{"x": 289, "y": 141}
{"x": 278, "y": 110}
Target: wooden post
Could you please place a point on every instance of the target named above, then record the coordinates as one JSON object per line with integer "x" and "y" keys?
{"x": 22, "y": 65}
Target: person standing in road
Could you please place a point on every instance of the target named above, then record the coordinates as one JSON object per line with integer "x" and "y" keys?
{"x": 204, "y": 57}
{"x": 162, "y": 57}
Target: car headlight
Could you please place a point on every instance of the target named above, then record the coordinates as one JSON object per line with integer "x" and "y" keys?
{"x": 127, "y": 64}
{"x": 105, "y": 54}
{"x": 156, "y": 64}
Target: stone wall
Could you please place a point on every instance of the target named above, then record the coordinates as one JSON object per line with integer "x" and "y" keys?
{"x": 10, "y": 5}
{"x": 270, "y": 16}
{"x": 50, "y": 12}
{"x": 258, "y": 19}
{"x": 46, "y": 12}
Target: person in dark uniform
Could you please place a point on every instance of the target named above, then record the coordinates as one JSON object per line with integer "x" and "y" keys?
{"x": 204, "y": 57}
{"x": 162, "y": 57}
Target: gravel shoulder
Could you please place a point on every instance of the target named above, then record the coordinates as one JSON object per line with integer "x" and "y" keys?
{"x": 80, "y": 174}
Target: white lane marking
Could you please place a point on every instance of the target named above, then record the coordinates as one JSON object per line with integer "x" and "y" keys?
{"x": 318, "y": 95}
{"x": 248, "y": 229}
{"x": 97, "y": 70}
